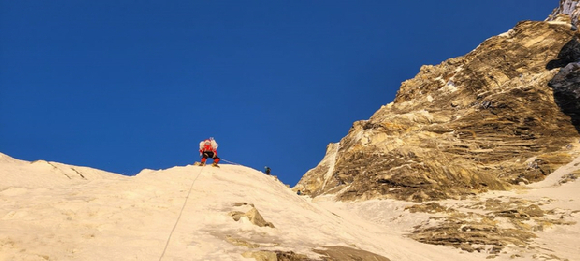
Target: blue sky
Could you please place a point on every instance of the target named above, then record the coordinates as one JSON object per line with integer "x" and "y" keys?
{"x": 127, "y": 85}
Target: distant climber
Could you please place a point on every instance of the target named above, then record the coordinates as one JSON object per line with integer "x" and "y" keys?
{"x": 208, "y": 149}
{"x": 267, "y": 170}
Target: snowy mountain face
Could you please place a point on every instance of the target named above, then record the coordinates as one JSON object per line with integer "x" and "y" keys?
{"x": 237, "y": 213}
{"x": 198, "y": 213}
{"x": 183, "y": 213}
{"x": 476, "y": 159}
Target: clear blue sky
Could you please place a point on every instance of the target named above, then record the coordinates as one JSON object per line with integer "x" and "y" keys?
{"x": 127, "y": 85}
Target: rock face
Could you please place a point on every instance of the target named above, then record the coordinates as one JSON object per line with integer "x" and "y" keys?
{"x": 506, "y": 113}
{"x": 252, "y": 214}
{"x": 567, "y": 8}
{"x": 329, "y": 253}
{"x": 342, "y": 253}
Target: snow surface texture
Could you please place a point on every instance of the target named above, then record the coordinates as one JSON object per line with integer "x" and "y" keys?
{"x": 53, "y": 211}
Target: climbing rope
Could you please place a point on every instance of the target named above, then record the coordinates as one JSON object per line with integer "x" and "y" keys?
{"x": 231, "y": 162}
{"x": 179, "y": 217}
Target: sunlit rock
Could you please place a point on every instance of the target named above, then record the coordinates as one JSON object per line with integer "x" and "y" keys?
{"x": 505, "y": 114}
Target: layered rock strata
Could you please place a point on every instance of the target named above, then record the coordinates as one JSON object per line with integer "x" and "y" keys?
{"x": 506, "y": 113}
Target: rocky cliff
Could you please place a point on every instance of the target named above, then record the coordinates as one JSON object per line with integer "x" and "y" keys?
{"x": 502, "y": 115}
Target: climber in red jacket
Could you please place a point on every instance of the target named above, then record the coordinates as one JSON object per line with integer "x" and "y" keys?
{"x": 208, "y": 149}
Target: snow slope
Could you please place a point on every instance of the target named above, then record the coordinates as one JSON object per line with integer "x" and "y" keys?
{"x": 53, "y": 211}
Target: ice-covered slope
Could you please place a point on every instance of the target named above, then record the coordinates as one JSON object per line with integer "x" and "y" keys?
{"x": 47, "y": 216}
{"x": 42, "y": 173}
{"x": 201, "y": 213}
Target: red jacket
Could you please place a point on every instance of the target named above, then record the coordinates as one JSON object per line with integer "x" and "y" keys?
{"x": 206, "y": 146}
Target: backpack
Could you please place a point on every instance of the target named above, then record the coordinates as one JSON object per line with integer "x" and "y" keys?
{"x": 208, "y": 145}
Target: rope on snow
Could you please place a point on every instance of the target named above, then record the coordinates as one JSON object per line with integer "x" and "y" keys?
{"x": 231, "y": 162}
{"x": 179, "y": 217}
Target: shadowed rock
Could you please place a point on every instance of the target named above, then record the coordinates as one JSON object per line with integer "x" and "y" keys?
{"x": 330, "y": 253}
{"x": 343, "y": 253}
{"x": 566, "y": 83}
{"x": 277, "y": 256}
